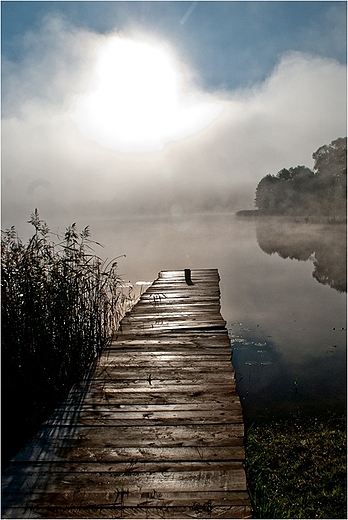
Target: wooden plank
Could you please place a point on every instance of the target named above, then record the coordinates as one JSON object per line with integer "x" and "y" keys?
{"x": 200, "y": 336}
{"x": 160, "y": 325}
{"x": 207, "y": 413}
{"x": 55, "y": 451}
{"x": 149, "y": 499}
{"x": 157, "y": 436}
{"x": 206, "y": 357}
{"x": 185, "y": 305}
{"x": 194, "y": 511}
{"x": 69, "y": 483}
{"x": 112, "y": 388}
{"x": 170, "y": 363}
{"x": 210, "y": 373}
{"x": 158, "y": 385}
{"x": 155, "y": 430}
{"x": 181, "y": 395}
{"x": 153, "y": 398}
{"x": 123, "y": 418}
{"x": 46, "y": 469}
{"x": 205, "y": 406}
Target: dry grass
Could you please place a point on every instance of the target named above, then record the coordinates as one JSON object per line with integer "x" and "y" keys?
{"x": 297, "y": 469}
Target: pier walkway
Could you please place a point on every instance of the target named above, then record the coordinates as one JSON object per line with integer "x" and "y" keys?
{"x": 154, "y": 431}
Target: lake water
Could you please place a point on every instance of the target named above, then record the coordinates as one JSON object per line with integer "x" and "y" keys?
{"x": 281, "y": 297}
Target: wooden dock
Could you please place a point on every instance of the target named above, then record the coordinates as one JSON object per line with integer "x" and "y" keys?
{"x": 154, "y": 431}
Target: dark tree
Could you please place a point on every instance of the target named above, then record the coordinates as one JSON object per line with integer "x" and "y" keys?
{"x": 289, "y": 192}
{"x": 330, "y": 164}
{"x": 301, "y": 191}
{"x": 265, "y": 199}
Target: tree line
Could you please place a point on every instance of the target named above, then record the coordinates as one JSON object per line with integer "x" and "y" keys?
{"x": 302, "y": 191}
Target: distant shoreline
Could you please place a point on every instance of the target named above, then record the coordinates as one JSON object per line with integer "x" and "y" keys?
{"x": 299, "y": 219}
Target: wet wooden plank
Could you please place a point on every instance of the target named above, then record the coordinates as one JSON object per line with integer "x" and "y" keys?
{"x": 216, "y": 338}
{"x": 123, "y": 415}
{"x": 154, "y": 385}
{"x": 205, "y": 357}
{"x": 156, "y": 398}
{"x": 159, "y": 436}
{"x": 124, "y": 418}
{"x": 56, "y": 451}
{"x": 194, "y": 511}
{"x": 154, "y": 431}
{"x": 68, "y": 483}
{"x": 158, "y": 354}
{"x": 150, "y": 499}
{"x": 205, "y": 406}
{"x": 164, "y": 372}
{"x": 153, "y": 379}
{"x": 160, "y": 325}
{"x": 42, "y": 470}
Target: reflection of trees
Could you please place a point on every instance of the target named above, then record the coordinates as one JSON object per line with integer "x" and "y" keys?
{"x": 325, "y": 245}
{"x": 330, "y": 264}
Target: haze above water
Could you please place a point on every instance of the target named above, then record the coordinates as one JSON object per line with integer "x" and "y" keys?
{"x": 288, "y": 330}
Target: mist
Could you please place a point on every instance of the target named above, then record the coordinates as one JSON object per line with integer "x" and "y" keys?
{"x": 282, "y": 276}
{"x": 48, "y": 163}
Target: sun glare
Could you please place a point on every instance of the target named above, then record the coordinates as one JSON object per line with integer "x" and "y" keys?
{"x": 135, "y": 101}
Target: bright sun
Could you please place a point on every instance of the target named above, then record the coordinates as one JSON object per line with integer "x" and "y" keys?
{"x": 135, "y": 101}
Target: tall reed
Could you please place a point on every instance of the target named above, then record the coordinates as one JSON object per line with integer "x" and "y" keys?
{"x": 60, "y": 305}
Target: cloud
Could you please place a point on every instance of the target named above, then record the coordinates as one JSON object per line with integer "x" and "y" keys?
{"x": 277, "y": 123}
{"x": 52, "y": 70}
{"x": 281, "y": 121}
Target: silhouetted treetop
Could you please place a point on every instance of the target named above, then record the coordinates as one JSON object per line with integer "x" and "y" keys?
{"x": 331, "y": 159}
{"x": 301, "y": 191}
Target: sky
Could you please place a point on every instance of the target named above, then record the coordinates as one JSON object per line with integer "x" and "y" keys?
{"x": 130, "y": 108}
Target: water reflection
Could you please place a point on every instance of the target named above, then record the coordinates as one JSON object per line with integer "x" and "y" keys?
{"x": 324, "y": 245}
{"x": 271, "y": 384}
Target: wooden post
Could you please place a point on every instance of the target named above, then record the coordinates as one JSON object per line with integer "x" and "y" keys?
{"x": 188, "y": 277}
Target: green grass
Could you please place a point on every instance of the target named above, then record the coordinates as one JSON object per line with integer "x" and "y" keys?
{"x": 61, "y": 303}
{"x": 297, "y": 469}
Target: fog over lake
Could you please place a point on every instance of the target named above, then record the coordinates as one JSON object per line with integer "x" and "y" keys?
{"x": 116, "y": 111}
{"x": 288, "y": 331}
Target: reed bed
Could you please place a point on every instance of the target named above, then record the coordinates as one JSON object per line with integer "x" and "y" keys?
{"x": 61, "y": 304}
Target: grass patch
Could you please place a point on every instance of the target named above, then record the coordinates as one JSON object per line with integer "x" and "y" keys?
{"x": 61, "y": 303}
{"x": 297, "y": 469}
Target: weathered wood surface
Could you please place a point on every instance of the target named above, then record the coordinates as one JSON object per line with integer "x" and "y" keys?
{"x": 154, "y": 431}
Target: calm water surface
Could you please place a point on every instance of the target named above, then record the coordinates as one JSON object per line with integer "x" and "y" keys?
{"x": 281, "y": 295}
